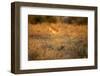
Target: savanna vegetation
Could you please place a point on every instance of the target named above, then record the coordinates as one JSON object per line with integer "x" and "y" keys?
{"x": 57, "y": 37}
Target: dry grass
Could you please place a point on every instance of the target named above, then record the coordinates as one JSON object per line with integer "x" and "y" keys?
{"x": 57, "y": 41}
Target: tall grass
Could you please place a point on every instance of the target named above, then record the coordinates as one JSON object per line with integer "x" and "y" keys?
{"x": 68, "y": 41}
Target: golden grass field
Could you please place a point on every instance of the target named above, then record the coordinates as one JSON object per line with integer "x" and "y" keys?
{"x": 48, "y": 41}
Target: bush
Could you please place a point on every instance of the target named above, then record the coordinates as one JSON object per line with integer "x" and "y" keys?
{"x": 76, "y": 20}
{"x": 41, "y": 19}
{"x": 35, "y": 19}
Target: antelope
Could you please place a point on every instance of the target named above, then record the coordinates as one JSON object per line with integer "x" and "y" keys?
{"x": 53, "y": 30}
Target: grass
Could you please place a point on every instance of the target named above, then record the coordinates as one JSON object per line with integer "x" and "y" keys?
{"x": 57, "y": 41}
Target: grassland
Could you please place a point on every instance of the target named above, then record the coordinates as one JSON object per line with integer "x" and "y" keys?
{"x": 48, "y": 41}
